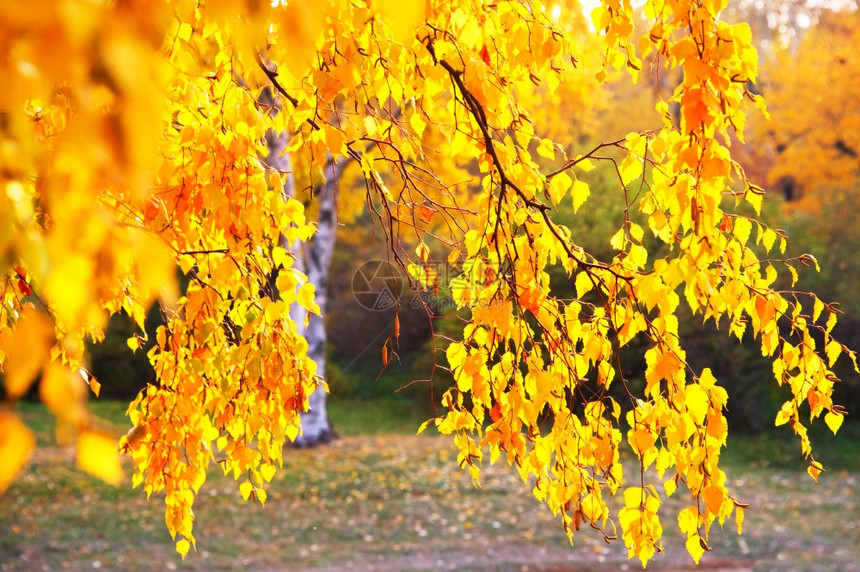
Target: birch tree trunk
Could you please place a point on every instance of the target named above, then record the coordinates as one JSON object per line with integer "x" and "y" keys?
{"x": 314, "y": 259}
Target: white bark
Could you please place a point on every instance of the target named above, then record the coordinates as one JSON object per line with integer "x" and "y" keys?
{"x": 317, "y": 255}
{"x": 314, "y": 259}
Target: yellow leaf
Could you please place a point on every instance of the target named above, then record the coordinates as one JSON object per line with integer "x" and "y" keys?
{"x": 268, "y": 471}
{"x": 27, "y": 346}
{"x": 670, "y": 486}
{"x": 784, "y": 413}
{"x": 559, "y": 186}
{"x": 585, "y": 164}
{"x": 306, "y": 298}
{"x": 423, "y": 426}
{"x": 592, "y": 508}
{"x": 695, "y": 548}
{"x": 545, "y": 149}
{"x": 630, "y": 168}
{"x": 833, "y": 349}
{"x": 617, "y": 240}
{"x": 638, "y": 256}
{"x": 97, "y": 454}
{"x": 739, "y": 518}
{"x": 754, "y": 199}
{"x": 833, "y": 421}
{"x": 579, "y": 193}
{"x": 583, "y": 284}
{"x": 16, "y": 444}
{"x": 696, "y": 400}
{"x": 817, "y": 308}
{"x": 422, "y": 251}
{"x": 688, "y": 520}
{"x": 768, "y": 238}
{"x": 418, "y": 124}
{"x": 814, "y": 469}
{"x": 246, "y": 488}
{"x": 182, "y": 547}
{"x": 742, "y": 229}
{"x": 334, "y": 140}
{"x": 707, "y": 379}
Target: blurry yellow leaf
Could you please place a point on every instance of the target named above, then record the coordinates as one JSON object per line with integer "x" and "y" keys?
{"x": 16, "y": 443}
{"x": 403, "y": 17}
{"x": 182, "y": 547}
{"x": 27, "y": 346}
{"x": 97, "y": 454}
{"x": 70, "y": 303}
{"x": 302, "y": 25}
{"x": 63, "y": 391}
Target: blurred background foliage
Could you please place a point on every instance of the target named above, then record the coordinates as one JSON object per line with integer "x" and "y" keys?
{"x": 808, "y": 155}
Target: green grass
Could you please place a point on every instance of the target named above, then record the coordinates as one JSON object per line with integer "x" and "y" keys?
{"x": 364, "y": 417}
{"x": 382, "y": 497}
{"x": 780, "y": 449}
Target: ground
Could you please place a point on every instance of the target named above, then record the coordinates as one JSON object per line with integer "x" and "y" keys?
{"x": 394, "y": 501}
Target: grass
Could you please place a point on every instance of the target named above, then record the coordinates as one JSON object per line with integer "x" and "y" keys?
{"x": 382, "y": 498}
{"x": 780, "y": 449}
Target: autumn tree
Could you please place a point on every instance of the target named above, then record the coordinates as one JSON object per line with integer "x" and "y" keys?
{"x": 813, "y": 136}
{"x": 134, "y": 143}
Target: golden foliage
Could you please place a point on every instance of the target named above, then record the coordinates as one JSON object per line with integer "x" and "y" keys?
{"x": 814, "y": 134}
{"x": 132, "y": 143}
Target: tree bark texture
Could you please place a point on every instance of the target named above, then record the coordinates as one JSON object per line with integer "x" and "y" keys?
{"x": 314, "y": 259}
